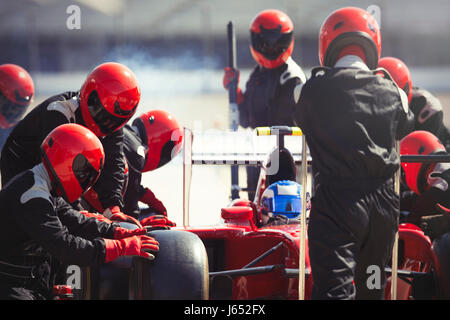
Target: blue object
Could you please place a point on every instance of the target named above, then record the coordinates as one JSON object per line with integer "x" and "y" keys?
{"x": 283, "y": 198}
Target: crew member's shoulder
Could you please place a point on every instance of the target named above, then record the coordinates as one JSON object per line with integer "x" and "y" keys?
{"x": 292, "y": 70}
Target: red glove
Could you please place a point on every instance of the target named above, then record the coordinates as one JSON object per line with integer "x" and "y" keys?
{"x": 231, "y": 75}
{"x": 121, "y": 233}
{"x": 157, "y": 221}
{"x": 114, "y": 214}
{"x": 96, "y": 216}
{"x": 153, "y": 202}
{"x": 143, "y": 246}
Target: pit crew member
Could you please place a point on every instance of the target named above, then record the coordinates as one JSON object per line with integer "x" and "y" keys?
{"x": 40, "y": 230}
{"x": 107, "y": 99}
{"x": 16, "y": 95}
{"x": 351, "y": 118}
{"x": 428, "y": 205}
{"x": 427, "y": 108}
{"x": 153, "y": 140}
{"x": 268, "y": 99}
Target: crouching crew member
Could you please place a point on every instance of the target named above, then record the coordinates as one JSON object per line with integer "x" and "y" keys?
{"x": 351, "y": 118}
{"x": 39, "y": 230}
{"x": 429, "y": 200}
{"x": 153, "y": 140}
{"x": 107, "y": 100}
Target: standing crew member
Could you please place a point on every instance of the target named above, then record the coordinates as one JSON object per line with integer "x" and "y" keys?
{"x": 40, "y": 229}
{"x": 153, "y": 140}
{"x": 351, "y": 118}
{"x": 107, "y": 100}
{"x": 16, "y": 94}
{"x": 268, "y": 97}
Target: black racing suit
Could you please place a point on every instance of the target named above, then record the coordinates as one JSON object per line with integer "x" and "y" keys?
{"x": 37, "y": 228}
{"x": 268, "y": 101}
{"x": 429, "y": 114}
{"x": 135, "y": 154}
{"x": 22, "y": 148}
{"x": 351, "y": 118}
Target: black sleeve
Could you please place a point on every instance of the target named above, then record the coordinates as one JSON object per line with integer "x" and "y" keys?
{"x": 133, "y": 193}
{"x": 109, "y": 185}
{"x": 80, "y": 225}
{"x": 39, "y": 220}
{"x": 405, "y": 124}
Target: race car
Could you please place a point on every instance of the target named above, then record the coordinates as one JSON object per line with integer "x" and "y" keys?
{"x": 243, "y": 258}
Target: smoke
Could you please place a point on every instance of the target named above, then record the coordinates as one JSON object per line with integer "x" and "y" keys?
{"x": 182, "y": 72}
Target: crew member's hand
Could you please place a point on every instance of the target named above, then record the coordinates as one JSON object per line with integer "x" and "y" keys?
{"x": 121, "y": 233}
{"x": 231, "y": 75}
{"x": 157, "y": 221}
{"x": 150, "y": 199}
{"x": 142, "y": 246}
{"x": 114, "y": 214}
{"x": 96, "y": 216}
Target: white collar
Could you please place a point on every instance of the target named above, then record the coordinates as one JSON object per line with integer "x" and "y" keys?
{"x": 40, "y": 171}
{"x": 351, "y": 61}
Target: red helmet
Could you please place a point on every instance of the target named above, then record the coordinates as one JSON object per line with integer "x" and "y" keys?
{"x": 272, "y": 39}
{"x": 162, "y": 135}
{"x": 73, "y": 157}
{"x": 16, "y": 94}
{"x": 399, "y": 73}
{"x": 109, "y": 98}
{"x": 346, "y": 27}
{"x": 418, "y": 143}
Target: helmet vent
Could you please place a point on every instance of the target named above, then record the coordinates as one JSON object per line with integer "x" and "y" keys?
{"x": 338, "y": 25}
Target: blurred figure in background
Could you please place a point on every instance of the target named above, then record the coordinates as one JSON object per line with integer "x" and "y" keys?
{"x": 268, "y": 98}
{"x": 16, "y": 95}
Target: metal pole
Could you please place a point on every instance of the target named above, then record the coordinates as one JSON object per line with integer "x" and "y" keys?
{"x": 394, "y": 275}
{"x": 301, "y": 263}
{"x": 187, "y": 174}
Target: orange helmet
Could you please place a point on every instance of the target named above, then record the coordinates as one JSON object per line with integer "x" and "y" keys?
{"x": 73, "y": 157}
{"x": 162, "y": 135}
{"x": 418, "y": 143}
{"x": 272, "y": 38}
{"x": 346, "y": 27}
{"x": 399, "y": 73}
{"x": 109, "y": 98}
{"x": 16, "y": 94}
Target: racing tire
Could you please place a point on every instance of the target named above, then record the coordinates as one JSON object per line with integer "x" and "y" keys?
{"x": 179, "y": 271}
{"x": 441, "y": 248}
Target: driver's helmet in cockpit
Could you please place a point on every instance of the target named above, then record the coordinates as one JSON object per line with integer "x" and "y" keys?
{"x": 282, "y": 201}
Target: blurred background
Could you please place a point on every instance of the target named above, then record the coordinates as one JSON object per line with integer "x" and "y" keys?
{"x": 178, "y": 49}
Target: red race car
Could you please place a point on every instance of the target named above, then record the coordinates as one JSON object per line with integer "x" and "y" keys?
{"x": 245, "y": 258}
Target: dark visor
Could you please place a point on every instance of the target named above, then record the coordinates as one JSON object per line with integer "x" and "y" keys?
{"x": 271, "y": 42}
{"x": 84, "y": 172}
{"x": 106, "y": 121}
{"x": 12, "y": 112}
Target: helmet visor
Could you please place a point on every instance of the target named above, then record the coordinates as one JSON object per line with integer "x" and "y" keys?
{"x": 271, "y": 43}
{"x": 12, "y": 112}
{"x": 84, "y": 172}
{"x": 107, "y": 122}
